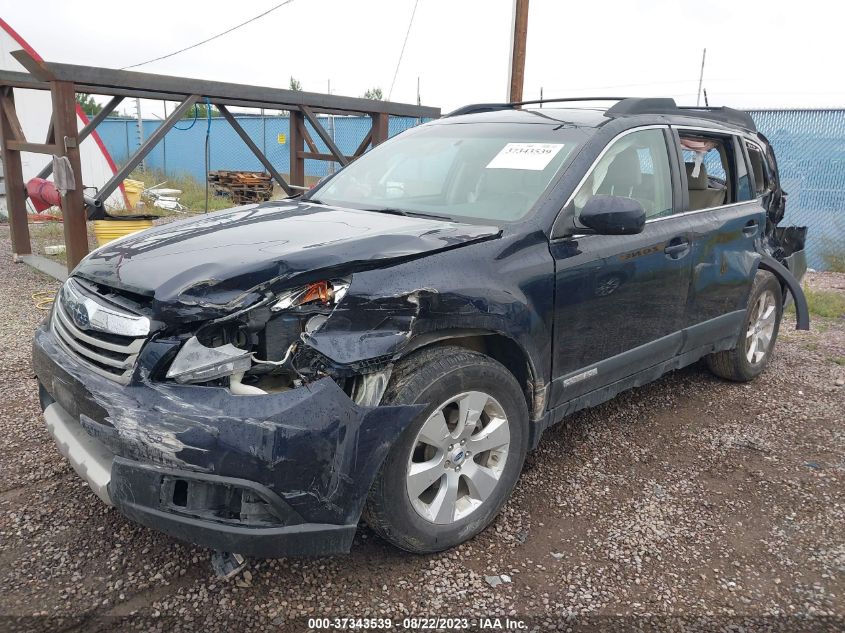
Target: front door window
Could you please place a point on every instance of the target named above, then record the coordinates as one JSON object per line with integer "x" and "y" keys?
{"x": 634, "y": 166}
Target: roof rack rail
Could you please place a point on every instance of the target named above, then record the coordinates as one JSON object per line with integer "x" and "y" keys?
{"x": 649, "y": 105}
{"x": 724, "y": 114}
{"x": 475, "y": 108}
{"x": 626, "y": 106}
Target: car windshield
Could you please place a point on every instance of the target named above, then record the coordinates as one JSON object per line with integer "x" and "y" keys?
{"x": 488, "y": 171}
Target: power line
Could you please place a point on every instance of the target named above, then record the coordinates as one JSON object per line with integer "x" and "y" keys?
{"x": 640, "y": 85}
{"x": 402, "y": 52}
{"x": 214, "y": 37}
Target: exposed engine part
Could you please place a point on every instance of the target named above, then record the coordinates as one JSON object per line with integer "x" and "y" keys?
{"x": 369, "y": 388}
{"x": 315, "y": 322}
{"x": 277, "y": 363}
{"x": 238, "y": 388}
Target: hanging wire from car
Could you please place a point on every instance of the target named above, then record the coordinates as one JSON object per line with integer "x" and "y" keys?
{"x": 43, "y": 299}
{"x": 402, "y": 52}
{"x": 213, "y": 37}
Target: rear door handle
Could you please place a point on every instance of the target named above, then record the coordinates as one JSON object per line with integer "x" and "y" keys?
{"x": 750, "y": 228}
{"x": 677, "y": 247}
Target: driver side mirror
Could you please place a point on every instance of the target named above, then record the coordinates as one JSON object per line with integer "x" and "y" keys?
{"x": 613, "y": 215}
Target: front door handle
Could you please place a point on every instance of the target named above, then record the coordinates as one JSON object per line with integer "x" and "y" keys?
{"x": 750, "y": 228}
{"x": 677, "y": 247}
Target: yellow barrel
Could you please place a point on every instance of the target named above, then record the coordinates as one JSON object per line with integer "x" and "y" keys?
{"x": 133, "y": 189}
{"x": 107, "y": 230}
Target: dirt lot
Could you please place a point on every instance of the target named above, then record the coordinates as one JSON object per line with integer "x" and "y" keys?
{"x": 690, "y": 500}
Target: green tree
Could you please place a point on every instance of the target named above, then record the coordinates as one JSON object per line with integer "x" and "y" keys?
{"x": 295, "y": 85}
{"x": 87, "y": 103}
{"x": 201, "y": 110}
{"x": 374, "y": 93}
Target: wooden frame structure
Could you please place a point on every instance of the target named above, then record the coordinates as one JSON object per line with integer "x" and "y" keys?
{"x": 63, "y": 138}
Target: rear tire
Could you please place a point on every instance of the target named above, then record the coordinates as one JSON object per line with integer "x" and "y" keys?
{"x": 756, "y": 341}
{"x": 469, "y": 442}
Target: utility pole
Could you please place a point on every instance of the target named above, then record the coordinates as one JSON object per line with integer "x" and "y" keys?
{"x": 700, "y": 78}
{"x": 519, "y": 35}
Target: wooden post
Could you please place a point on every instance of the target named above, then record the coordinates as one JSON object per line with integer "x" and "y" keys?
{"x": 295, "y": 138}
{"x": 516, "y": 75}
{"x": 380, "y": 128}
{"x": 73, "y": 203}
{"x": 15, "y": 193}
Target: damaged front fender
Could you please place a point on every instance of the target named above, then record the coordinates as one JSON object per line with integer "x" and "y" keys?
{"x": 387, "y": 311}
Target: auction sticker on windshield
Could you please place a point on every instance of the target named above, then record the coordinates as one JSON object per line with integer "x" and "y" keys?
{"x": 534, "y": 156}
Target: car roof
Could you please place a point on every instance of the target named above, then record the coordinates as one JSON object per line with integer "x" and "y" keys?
{"x": 579, "y": 117}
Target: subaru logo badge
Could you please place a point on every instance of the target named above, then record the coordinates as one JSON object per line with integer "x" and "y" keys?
{"x": 80, "y": 314}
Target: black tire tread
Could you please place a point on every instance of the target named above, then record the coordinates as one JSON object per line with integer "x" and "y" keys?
{"x": 730, "y": 364}
{"x": 413, "y": 375}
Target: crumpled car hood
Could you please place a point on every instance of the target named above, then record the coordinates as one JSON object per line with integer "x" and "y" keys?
{"x": 206, "y": 266}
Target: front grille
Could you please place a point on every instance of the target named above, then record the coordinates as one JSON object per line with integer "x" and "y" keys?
{"x": 102, "y": 335}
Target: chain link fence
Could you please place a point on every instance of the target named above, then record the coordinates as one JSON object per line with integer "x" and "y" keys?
{"x": 809, "y": 144}
{"x": 810, "y": 149}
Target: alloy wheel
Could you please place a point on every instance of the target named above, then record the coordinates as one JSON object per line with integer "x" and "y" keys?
{"x": 761, "y": 327}
{"x": 458, "y": 457}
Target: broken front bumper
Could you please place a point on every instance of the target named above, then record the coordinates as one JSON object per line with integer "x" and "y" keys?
{"x": 271, "y": 475}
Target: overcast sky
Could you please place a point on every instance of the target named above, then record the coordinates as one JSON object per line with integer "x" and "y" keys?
{"x": 760, "y": 53}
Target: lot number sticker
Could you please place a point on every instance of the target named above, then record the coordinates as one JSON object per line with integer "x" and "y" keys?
{"x": 534, "y": 156}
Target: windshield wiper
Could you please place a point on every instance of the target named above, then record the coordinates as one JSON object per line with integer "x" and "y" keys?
{"x": 414, "y": 214}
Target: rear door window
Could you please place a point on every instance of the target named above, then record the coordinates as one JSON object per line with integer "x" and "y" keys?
{"x": 716, "y": 173}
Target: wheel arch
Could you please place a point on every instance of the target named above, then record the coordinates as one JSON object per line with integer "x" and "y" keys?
{"x": 500, "y": 348}
{"x": 792, "y": 285}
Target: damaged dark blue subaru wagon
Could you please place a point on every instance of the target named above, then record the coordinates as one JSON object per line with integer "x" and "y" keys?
{"x": 391, "y": 344}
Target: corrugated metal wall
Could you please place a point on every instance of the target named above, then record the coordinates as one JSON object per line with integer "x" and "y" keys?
{"x": 182, "y": 150}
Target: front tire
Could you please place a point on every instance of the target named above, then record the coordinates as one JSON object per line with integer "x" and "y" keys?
{"x": 757, "y": 339}
{"x": 449, "y": 473}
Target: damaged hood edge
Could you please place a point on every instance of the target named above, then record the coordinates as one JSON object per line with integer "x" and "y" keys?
{"x": 209, "y": 266}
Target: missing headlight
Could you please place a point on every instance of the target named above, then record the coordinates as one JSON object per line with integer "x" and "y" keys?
{"x": 326, "y": 293}
{"x": 197, "y": 363}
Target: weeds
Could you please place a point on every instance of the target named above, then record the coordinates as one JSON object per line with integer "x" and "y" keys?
{"x": 824, "y": 303}
{"x": 834, "y": 262}
{"x": 833, "y": 255}
{"x": 192, "y": 196}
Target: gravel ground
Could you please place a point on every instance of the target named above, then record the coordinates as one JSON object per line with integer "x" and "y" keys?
{"x": 690, "y": 500}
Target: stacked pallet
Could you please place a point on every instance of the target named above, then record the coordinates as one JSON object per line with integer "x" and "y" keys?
{"x": 245, "y": 187}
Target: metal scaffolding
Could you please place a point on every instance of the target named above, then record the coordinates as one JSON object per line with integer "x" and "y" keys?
{"x": 63, "y": 138}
